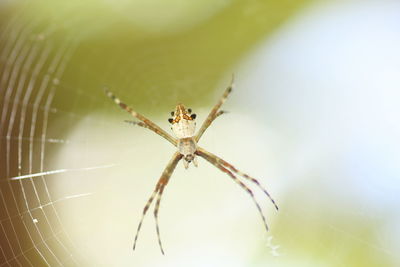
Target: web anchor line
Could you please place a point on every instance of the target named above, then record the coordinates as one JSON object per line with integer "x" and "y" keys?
{"x": 46, "y": 173}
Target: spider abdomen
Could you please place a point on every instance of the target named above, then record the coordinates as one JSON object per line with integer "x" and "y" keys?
{"x": 184, "y": 128}
{"x": 183, "y": 125}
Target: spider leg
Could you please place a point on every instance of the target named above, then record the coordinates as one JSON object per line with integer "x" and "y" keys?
{"x": 138, "y": 123}
{"x": 214, "y": 112}
{"x": 156, "y": 217}
{"x": 144, "y": 213}
{"x": 214, "y": 161}
{"x": 219, "y": 113}
{"x": 162, "y": 182}
{"x": 246, "y": 176}
{"x": 254, "y": 180}
{"x": 216, "y": 115}
{"x": 151, "y": 125}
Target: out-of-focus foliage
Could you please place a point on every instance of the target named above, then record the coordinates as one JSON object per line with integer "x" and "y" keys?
{"x": 155, "y": 50}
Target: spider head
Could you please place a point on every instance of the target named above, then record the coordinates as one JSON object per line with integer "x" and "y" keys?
{"x": 183, "y": 122}
{"x": 189, "y": 158}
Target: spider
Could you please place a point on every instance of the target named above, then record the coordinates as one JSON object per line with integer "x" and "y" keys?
{"x": 183, "y": 124}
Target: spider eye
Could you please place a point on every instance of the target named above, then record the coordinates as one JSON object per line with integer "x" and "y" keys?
{"x": 170, "y": 120}
{"x": 172, "y": 113}
{"x": 189, "y": 110}
{"x": 193, "y": 116}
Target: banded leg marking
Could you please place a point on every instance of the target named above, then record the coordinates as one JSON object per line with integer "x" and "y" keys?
{"x": 151, "y": 125}
{"x": 246, "y": 176}
{"x": 214, "y": 112}
{"x": 248, "y": 190}
{"x": 162, "y": 182}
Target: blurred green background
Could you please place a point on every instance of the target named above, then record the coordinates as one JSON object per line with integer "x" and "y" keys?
{"x": 313, "y": 116}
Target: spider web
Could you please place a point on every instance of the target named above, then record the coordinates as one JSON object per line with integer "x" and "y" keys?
{"x": 32, "y": 63}
{"x": 58, "y": 165}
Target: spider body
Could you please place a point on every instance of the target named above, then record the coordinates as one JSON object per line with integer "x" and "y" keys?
{"x": 183, "y": 125}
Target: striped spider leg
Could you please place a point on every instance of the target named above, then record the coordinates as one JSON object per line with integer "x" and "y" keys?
{"x": 215, "y": 112}
{"x": 230, "y": 169}
{"x": 183, "y": 126}
{"x": 162, "y": 182}
{"x": 149, "y": 124}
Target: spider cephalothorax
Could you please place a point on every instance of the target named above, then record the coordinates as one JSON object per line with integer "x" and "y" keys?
{"x": 188, "y": 147}
{"x": 183, "y": 125}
